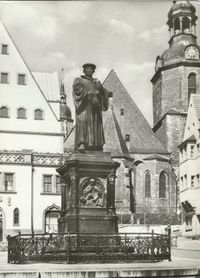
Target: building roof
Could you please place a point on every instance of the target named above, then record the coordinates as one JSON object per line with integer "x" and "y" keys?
{"x": 181, "y": 7}
{"x": 157, "y": 157}
{"x": 192, "y": 138}
{"x": 113, "y": 137}
{"x": 142, "y": 138}
{"x": 196, "y": 101}
{"x": 49, "y": 83}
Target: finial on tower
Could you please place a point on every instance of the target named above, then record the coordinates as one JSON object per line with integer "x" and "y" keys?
{"x": 62, "y": 86}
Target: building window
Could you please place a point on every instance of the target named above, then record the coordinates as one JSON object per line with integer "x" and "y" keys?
{"x": 182, "y": 183}
{"x": 192, "y": 151}
{"x": 147, "y": 184}
{"x": 9, "y": 181}
{"x": 47, "y": 183}
{"x": 185, "y": 180}
{"x": 16, "y": 216}
{"x": 4, "y": 77}
{"x": 192, "y": 181}
{"x": 177, "y": 25}
{"x": 127, "y": 137}
{"x": 58, "y": 187}
{"x": 198, "y": 180}
{"x": 122, "y": 112}
{"x": 186, "y": 25}
{"x": 4, "y": 112}
{"x": 188, "y": 223}
{"x": 21, "y": 79}
{"x": 21, "y": 113}
{"x": 162, "y": 185}
{"x": 198, "y": 149}
{"x": 38, "y": 114}
{"x": 191, "y": 85}
{"x": 4, "y": 49}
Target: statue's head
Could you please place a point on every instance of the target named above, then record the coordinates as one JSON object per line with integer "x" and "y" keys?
{"x": 89, "y": 69}
{"x": 92, "y": 181}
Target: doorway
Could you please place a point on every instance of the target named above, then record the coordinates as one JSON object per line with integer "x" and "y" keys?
{"x": 51, "y": 221}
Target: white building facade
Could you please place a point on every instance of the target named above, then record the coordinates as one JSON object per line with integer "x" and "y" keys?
{"x": 33, "y": 123}
{"x": 189, "y": 175}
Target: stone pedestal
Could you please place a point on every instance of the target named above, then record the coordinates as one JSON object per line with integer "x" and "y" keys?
{"x": 88, "y": 194}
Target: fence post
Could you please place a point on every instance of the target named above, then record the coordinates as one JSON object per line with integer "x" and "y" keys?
{"x": 21, "y": 250}
{"x": 152, "y": 246}
{"x": 9, "y": 247}
{"x": 169, "y": 242}
{"x": 68, "y": 247}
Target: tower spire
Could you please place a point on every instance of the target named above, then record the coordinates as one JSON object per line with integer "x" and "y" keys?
{"x": 62, "y": 88}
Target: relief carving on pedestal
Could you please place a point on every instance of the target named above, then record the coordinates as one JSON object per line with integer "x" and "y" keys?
{"x": 92, "y": 193}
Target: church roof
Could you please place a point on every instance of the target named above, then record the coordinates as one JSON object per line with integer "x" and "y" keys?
{"x": 133, "y": 123}
{"x": 113, "y": 137}
{"x": 157, "y": 157}
{"x": 49, "y": 83}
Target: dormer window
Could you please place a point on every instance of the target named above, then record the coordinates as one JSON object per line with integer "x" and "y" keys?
{"x": 4, "y": 49}
{"x": 122, "y": 112}
{"x": 21, "y": 79}
{"x": 127, "y": 138}
{"x": 38, "y": 114}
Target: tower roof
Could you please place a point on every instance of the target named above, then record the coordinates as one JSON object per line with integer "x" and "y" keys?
{"x": 181, "y": 7}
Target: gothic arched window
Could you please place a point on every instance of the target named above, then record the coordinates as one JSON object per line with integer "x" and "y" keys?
{"x": 16, "y": 216}
{"x": 191, "y": 84}
{"x": 21, "y": 113}
{"x": 162, "y": 185}
{"x": 147, "y": 184}
{"x": 4, "y": 112}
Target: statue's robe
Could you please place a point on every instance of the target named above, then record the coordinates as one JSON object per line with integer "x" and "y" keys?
{"x": 89, "y": 125}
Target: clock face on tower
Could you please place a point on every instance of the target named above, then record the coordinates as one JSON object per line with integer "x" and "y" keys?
{"x": 192, "y": 53}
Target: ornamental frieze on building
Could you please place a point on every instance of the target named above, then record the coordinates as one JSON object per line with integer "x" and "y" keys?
{"x": 32, "y": 159}
{"x": 47, "y": 160}
{"x": 15, "y": 158}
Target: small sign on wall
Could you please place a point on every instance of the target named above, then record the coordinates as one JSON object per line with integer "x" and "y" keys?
{"x": 9, "y": 201}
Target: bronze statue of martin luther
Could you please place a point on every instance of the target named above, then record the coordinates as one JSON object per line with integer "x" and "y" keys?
{"x": 90, "y": 99}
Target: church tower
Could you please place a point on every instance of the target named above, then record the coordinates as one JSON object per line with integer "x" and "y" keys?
{"x": 177, "y": 76}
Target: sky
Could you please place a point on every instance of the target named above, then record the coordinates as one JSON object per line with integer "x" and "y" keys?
{"x": 125, "y": 36}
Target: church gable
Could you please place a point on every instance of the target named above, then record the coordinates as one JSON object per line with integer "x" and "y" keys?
{"x": 20, "y": 90}
{"x": 134, "y": 127}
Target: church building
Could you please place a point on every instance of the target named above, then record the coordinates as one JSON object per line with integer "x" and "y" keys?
{"x": 177, "y": 76}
